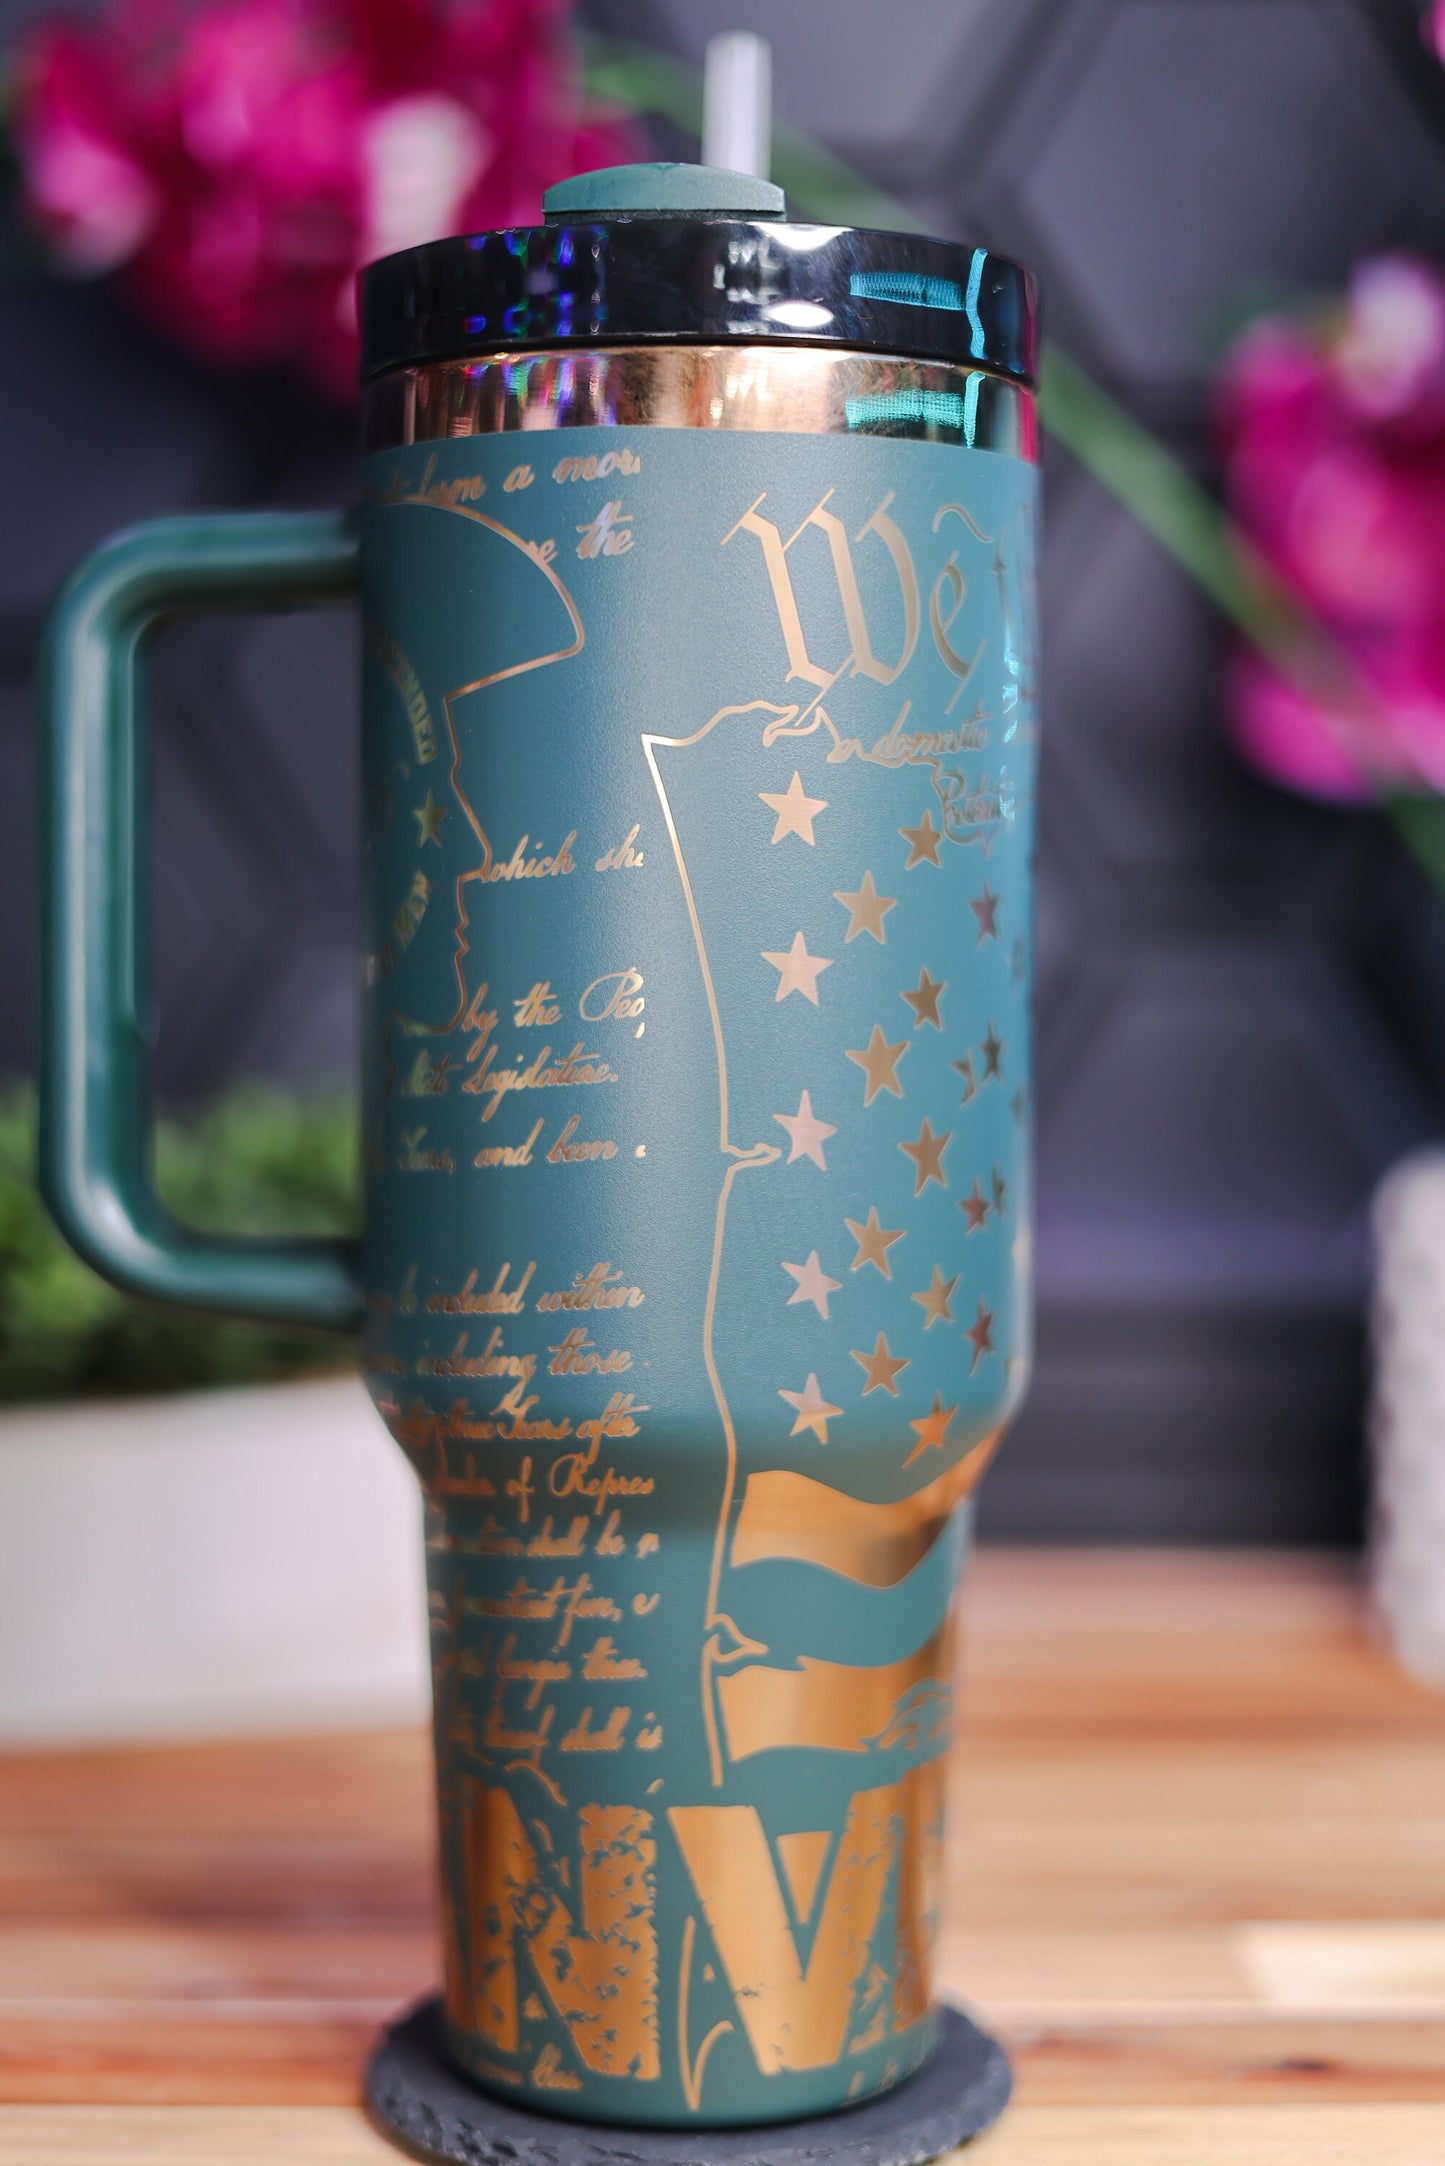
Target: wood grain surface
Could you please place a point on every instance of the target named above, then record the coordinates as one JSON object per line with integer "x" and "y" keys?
{"x": 1197, "y": 1881}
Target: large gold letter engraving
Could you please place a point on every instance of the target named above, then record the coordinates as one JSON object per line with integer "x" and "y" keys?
{"x": 860, "y": 655}
{"x": 796, "y": 2014}
{"x": 601, "y": 1976}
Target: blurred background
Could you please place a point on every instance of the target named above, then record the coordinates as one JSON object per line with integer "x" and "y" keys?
{"x": 1241, "y": 993}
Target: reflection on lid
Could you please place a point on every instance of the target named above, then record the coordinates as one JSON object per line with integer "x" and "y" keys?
{"x": 908, "y": 287}
{"x": 936, "y": 409}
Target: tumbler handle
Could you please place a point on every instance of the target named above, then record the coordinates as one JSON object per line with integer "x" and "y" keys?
{"x": 95, "y": 1032}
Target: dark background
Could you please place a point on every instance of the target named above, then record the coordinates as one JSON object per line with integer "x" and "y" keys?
{"x": 1241, "y": 998}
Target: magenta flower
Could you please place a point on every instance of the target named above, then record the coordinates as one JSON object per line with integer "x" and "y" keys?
{"x": 238, "y": 161}
{"x": 1334, "y": 466}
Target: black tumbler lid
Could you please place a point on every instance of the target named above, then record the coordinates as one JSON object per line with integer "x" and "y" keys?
{"x": 688, "y": 255}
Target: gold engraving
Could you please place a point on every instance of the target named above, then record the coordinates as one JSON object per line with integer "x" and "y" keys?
{"x": 573, "y": 1475}
{"x": 618, "y": 995}
{"x": 407, "y": 922}
{"x": 429, "y": 816}
{"x": 985, "y": 909}
{"x": 540, "y": 866}
{"x": 578, "y": 1066}
{"x": 384, "y": 648}
{"x": 879, "y": 1062}
{"x": 932, "y": 1430}
{"x": 572, "y": 1150}
{"x": 866, "y": 909}
{"x": 936, "y": 1298}
{"x": 548, "y": 2073}
{"x": 602, "y": 1665}
{"x": 992, "y": 1049}
{"x": 415, "y": 1155}
{"x": 598, "y": 1288}
{"x": 577, "y": 1356}
{"x": 622, "y": 461}
{"x": 540, "y": 1006}
{"x": 860, "y": 657}
{"x": 806, "y": 1133}
{"x": 923, "y": 1000}
{"x": 509, "y": 1154}
{"x": 600, "y": 1976}
{"x": 812, "y": 1409}
{"x": 622, "y": 857}
{"x": 927, "y": 1155}
{"x": 813, "y": 1284}
{"x": 798, "y": 971}
{"x": 796, "y": 2015}
{"x": 493, "y": 1360}
{"x": 692, "y": 2065}
{"x": 980, "y": 1335}
{"x": 975, "y": 1208}
{"x": 880, "y": 1367}
{"x": 610, "y": 534}
{"x": 802, "y": 1857}
{"x": 719, "y": 1629}
{"x": 795, "y": 810}
{"x": 952, "y": 578}
{"x": 498, "y": 1299}
{"x": 832, "y": 1706}
{"x": 784, "y": 1514}
{"x": 874, "y": 1242}
{"x": 489, "y": 869}
{"x": 610, "y": 1738}
{"x": 922, "y": 842}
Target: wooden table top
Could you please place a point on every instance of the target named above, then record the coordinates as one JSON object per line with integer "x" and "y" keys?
{"x": 1198, "y": 1883}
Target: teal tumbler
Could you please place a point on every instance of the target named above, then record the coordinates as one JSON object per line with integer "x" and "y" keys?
{"x": 696, "y": 564}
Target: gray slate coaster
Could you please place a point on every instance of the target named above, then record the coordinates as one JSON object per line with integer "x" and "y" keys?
{"x": 420, "y": 2100}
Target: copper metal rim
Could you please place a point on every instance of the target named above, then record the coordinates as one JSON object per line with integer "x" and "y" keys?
{"x": 795, "y": 390}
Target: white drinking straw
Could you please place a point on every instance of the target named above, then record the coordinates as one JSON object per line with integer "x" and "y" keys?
{"x": 737, "y": 103}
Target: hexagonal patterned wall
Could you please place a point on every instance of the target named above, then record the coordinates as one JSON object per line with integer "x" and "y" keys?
{"x": 1241, "y": 998}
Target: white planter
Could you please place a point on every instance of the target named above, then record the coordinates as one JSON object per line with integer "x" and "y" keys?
{"x": 208, "y": 1564}
{"x": 1407, "y": 1415}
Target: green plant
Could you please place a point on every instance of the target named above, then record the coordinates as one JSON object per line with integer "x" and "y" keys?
{"x": 257, "y": 1161}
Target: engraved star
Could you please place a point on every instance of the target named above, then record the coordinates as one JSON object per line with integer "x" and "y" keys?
{"x": 874, "y": 1242}
{"x": 923, "y": 842}
{"x": 880, "y": 1367}
{"x": 933, "y": 1428}
{"x": 923, "y": 1000}
{"x": 429, "y": 819}
{"x": 975, "y": 1207}
{"x": 879, "y": 1063}
{"x": 927, "y": 1155}
{"x": 985, "y": 909}
{"x": 936, "y": 1299}
{"x": 798, "y": 971}
{"x": 866, "y": 909}
{"x": 812, "y": 1409}
{"x": 1000, "y": 1191}
{"x": 991, "y": 1048}
{"x": 806, "y": 1133}
{"x": 980, "y": 1335}
{"x": 813, "y": 1284}
{"x": 970, "y": 1080}
{"x": 796, "y": 811}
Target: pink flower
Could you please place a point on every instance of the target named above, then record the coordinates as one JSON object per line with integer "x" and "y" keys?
{"x": 1333, "y": 438}
{"x": 240, "y": 160}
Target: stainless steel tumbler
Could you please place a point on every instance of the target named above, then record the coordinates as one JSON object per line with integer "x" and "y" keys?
{"x": 697, "y": 575}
